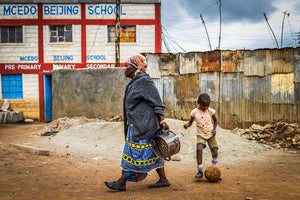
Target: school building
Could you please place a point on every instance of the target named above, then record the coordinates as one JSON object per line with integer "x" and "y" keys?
{"x": 38, "y": 36}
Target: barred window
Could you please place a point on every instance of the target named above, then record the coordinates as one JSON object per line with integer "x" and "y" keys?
{"x": 11, "y": 34}
{"x": 61, "y": 33}
{"x": 127, "y": 34}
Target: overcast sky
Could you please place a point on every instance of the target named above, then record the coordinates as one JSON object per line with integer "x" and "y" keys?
{"x": 243, "y": 24}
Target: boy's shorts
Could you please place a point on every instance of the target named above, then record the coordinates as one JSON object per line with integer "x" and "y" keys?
{"x": 212, "y": 142}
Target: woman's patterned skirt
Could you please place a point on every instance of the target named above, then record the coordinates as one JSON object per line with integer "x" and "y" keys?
{"x": 138, "y": 158}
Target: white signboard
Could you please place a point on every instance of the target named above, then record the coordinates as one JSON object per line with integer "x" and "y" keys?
{"x": 127, "y": 11}
{"x": 62, "y": 11}
{"x": 18, "y": 11}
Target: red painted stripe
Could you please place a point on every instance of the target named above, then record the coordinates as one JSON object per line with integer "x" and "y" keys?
{"x": 41, "y": 60}
{"x": 19, "y": 22}
{"x": 40, "y": 34}
{"x": 46, "y": 68}
{"x": 157, "y": 29}
{"x": 42, "y": 99}
{"x": 83, "y": 35}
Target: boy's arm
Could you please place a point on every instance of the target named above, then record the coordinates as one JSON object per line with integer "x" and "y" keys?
{"x": 189, "y": 123}
{"x": 215, "y": 124}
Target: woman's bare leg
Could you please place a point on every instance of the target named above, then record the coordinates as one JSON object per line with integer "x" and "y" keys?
{"x": 162, "y": 175}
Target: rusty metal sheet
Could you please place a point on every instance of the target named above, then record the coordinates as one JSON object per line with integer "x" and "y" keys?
{"x": 297, "y": 65}
{"x": 169, "y": 64}
{"x": 297, "y": 95}
{"x": 244, "y": 100}
{"x": 282, "y": 60}
{"x": 187, "y": 63}
{"x": 186, "y": 86}
{"x": 198, "y": 61}
{"x": 283, "y": 88}
{"x": 255, "y": 63}
{"x": 153, "y": 68}
{"x": 159, "y": 85}
{"x": 230, "y": 104}
{"x": 211, "y": 61}
{"x": 210, "y": 83}
{"x": 232, "y": 61}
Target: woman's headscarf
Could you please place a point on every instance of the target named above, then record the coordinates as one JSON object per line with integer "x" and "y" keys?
{"x": 138, "y": 61}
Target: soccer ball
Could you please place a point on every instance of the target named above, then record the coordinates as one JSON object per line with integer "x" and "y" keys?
{"x": 212, "y": 173}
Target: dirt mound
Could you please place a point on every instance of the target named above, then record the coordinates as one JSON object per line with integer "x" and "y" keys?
{"x": 64, "y": 123}
{"x": 106, "y": 140}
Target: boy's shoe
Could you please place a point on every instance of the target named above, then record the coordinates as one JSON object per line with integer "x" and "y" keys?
{"x": 199, "y": 174}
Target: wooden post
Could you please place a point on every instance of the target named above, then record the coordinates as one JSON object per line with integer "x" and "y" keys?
{"x": 117, "y": 40}
{"x": 206, "y": 31}
{"x": 220, "y": 7}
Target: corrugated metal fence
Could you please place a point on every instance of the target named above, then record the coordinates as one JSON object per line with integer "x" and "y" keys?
{"x": 246, "y": 87}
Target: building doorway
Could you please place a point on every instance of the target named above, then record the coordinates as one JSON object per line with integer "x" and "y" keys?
{"x": 48, "y": 97}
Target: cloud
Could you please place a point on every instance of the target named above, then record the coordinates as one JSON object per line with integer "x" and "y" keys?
{"x": 231, "y": 9}
{"x": 243, "y": 23}
{"x": 297, "y": 6}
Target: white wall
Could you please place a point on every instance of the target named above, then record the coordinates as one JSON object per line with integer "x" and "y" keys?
{"x": 97, "y": 43}
{"x": 12, "y": 52}
{"x": 63, "y": 48}
{"x": 30, "y": 86}
{"x": 127, "y": 11}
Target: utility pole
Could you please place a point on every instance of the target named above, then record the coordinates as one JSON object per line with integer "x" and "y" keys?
{"x": 220, "y": 23}
{"x": 288, "y": 14}
{"x": 271, "y": 29}
{"x": 205, "y": 31}
{"x": 298, "y": 39}
{"x": 117, "y": 39}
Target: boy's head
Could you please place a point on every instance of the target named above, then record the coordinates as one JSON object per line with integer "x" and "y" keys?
{"x": 203, "y": 101}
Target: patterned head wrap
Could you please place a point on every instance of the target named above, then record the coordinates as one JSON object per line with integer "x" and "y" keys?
{"x": 138, "y": 61}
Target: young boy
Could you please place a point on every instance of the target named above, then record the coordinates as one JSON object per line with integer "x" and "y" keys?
{"x": 206, "y": 130}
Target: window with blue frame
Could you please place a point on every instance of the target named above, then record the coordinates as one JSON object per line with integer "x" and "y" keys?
{"x": 12, "y": 86}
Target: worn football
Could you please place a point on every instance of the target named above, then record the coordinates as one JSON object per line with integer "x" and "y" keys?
{"x": 212, "y": 173}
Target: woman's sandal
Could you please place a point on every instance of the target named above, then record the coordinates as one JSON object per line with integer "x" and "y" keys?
{"x": 160, "y": 184}
{"x": 113, "y": 185}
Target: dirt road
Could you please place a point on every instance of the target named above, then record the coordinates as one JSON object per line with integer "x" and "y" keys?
{"x": 75, "y": 171}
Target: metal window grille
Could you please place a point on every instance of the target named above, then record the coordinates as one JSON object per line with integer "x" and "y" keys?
{"x": 61, "y": 33}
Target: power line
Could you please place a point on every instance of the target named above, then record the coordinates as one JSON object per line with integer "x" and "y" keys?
{"x": 292, "y": 35}
{"x": 171, "y": 40}
{"x": 166, "y": 43}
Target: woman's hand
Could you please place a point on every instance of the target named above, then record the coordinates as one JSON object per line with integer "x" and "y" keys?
{"x": 163, "y": 123}
{"x": 165, "y": 126}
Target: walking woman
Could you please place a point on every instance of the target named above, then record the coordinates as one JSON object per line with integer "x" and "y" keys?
{"x": 143, "y": 120}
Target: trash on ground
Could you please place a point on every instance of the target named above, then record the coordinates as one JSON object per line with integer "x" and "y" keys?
{"x": 278, "y": 135}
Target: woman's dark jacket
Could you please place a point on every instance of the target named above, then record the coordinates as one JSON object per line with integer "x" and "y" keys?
{"x": 142, "y": 104}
